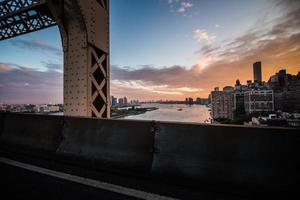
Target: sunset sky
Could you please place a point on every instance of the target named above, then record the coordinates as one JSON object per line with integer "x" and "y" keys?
{"x": 164, "y": 49}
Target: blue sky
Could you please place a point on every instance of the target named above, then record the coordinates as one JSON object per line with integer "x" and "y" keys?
{"x": 151, "y": 32}
{"x": 155, "y": 32}
{"x": 164, "y": 49}
{"x": 16, "y": 50}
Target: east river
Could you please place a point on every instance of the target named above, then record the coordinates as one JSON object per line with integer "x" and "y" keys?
{"x": 175, "y": 112}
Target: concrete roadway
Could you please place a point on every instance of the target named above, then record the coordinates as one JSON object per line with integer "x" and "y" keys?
{"x": 27, "y": 178}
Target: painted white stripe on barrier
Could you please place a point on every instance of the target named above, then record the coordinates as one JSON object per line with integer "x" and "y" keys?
{"x": 86, "y": 181}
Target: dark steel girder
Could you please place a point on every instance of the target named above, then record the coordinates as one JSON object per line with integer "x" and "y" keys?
{"x": 18, "y": 17}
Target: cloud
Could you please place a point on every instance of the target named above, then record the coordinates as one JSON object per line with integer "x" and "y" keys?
{"x": 251, "y": 44}
{"x": 221, "y": 64}
{"x": 277, "y": 47}
{"x": 50, "y": 66}
{"x": 202, "y": 36}
{"x": 180, "y": 6}
{"x": 171, "y": 82}
{"x": 146, "y": 91}
{"x": 175, "y": 76}
{"x": 146, "y": 87}
{"x": 26, "y": 85}
{"x": 37, "y": 45}
{"x": 184, "y": 6}
{"x": 287, "y": 4}
{"x": 5, "y": 67}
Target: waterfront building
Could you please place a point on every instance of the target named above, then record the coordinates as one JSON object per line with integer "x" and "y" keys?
{"x": 113, "y": 101}
{"x": 120, "y": 101}
{"x": 280, "y": 93}
{"x": 53, "y": 108}
{"x": 2, "y": 108}
{"x": 209, "y": 99}
{"x": 44, "y": 108}
{"x": 136, "y": 101}
{"x": 258, "y": 101}
{"x": 222, "y": 103}
{"x": 238, "y": 102}
{"x": 228, "y": 89}
{"x": 286, "y": 91}
{"x": 237, "y": 85}
{"x": 202, "y": 101}
{"x": 189, "y": 101}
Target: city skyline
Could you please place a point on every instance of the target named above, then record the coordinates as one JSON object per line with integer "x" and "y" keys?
{"x": 175, "y": 49}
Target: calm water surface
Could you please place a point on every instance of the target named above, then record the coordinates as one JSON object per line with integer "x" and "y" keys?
{"x": 170, "y": 112}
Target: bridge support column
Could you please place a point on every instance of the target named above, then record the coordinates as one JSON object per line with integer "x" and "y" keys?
{"x": 84, "y": 28}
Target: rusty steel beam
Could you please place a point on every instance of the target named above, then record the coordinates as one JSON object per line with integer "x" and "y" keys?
{"x": 18, "y": 17}
{"x": 10, "y": 8}
{"x": 84, "y": 29}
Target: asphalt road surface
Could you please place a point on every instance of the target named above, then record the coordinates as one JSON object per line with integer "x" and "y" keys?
{"x": 27, "y": 178}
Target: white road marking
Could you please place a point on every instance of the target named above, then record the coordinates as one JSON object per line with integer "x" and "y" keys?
{"x": 86, "y": 181}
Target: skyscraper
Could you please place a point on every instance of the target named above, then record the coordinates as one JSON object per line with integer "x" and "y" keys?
{"x": 257, "y": 72}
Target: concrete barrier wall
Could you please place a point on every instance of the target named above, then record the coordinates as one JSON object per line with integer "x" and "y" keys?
{"x": 109, "y": 144}
{"x": 33, "y": 132}
{"x": 245, "y": 156}
{"x": 227, "y": 154}
{"x": 2, "y": 115}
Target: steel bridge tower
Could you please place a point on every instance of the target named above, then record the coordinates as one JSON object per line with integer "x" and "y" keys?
{"x": 84, "y": 29}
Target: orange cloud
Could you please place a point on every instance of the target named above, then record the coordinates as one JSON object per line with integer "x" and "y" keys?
{"x": 4, "y": 67}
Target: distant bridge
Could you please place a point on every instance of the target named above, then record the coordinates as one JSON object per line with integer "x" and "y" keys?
{"x": 84, "y": 29}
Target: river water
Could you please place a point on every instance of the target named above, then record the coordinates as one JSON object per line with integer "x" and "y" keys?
{"x": 175, "y": 112}
{"x": 170, "y": 112}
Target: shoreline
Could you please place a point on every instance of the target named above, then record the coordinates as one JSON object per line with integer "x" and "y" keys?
{"x": 117, "y": 114}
